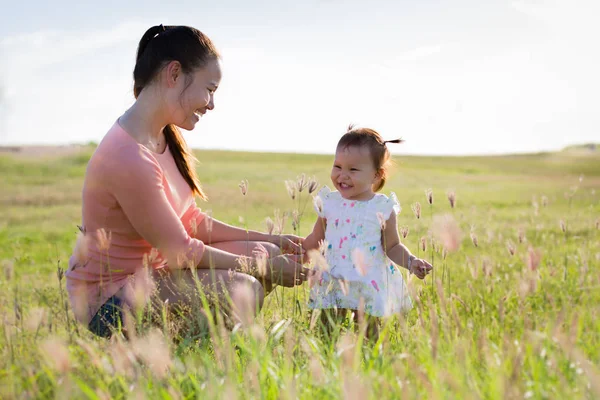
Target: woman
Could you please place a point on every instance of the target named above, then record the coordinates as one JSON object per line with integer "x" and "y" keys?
{"x": 138, "y": 198}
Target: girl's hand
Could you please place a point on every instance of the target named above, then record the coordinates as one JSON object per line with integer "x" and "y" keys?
{"x": 420, "y": 268}
{"x": 289, "y": 244}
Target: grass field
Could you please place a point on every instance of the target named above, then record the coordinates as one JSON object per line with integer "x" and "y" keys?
{"x": 496, "y": 326}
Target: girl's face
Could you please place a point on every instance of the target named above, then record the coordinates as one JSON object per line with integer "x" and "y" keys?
{"x": 353, "y": 173}
{"x": 191, "y": 96}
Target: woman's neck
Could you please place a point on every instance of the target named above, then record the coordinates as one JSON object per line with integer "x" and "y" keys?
{"x": 144, "y": 120}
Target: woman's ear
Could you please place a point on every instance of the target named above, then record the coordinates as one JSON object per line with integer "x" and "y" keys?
{"x": 173, "y": 73}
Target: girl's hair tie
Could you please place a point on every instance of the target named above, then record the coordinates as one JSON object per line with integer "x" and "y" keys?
{"x": 393, "y": 141}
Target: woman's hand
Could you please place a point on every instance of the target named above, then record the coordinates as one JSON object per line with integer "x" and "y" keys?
{"x": 285, "y": 270}
{"x": 289, "y": 244}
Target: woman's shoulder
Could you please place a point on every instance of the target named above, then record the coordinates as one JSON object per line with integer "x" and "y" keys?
{"x": 118, "y": 152}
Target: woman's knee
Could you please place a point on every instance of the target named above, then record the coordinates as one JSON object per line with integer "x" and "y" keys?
{"x": 271, "y": 248}
{"x": 252, "y": 288}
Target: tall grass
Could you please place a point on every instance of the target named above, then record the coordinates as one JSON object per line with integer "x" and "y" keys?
{"x": 513, "y": 311}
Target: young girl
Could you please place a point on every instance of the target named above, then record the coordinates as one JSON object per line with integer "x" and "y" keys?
{"x": 358, "y": 235}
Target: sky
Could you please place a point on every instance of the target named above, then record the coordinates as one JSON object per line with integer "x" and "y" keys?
{"x": 451, "y": 77}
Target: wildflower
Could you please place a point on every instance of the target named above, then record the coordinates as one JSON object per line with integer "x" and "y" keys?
{"x": 510, "y": 246}
{"x": 381, "y": 220}
{"x": 447, "y": 232}
{"x": 474, "y": 237}
{"x": 246, "y": 264}
{"x": 563, "y": 225}
{"x": 424, "y": 243}
{"x": 280, "y": 221}
{"x": 209, "y": 221}
{"x": 318, "y": 203}
{"x": 123, "y": 359}
{"x": 343, "y": 286}
{"x": 270, "y": 225}
{"x": 8, "y": 267}
{"x": 37, "y": 317}
{"x": 533, "y": 258}
{"x": 301, "y": 183}
{"x": 193, "y": 227}
{"x": 429, "y": 196}
{"x": 153, "y": 350}
{"x": 416, "y": 208}
{"x": 57, "y": 354}
{"x": 318, "y": 259}
{"x": 81, "y": 248}
{"x": 261, "y": 254}
{"x": 544, "y": 201}
{"x": 312, "y": 185}
{"x": 143, "y": 287}
{"x": 404, "y": 231}
{"x": 244, "y": 186}
{"x": 535, "y": 205}
{"x": 104, "y": 239}
{"x": 358, "y": 259}
{"x": 451, "y": 198}
{"x": 291, "y": 189}
{"x": 521, "y": 235}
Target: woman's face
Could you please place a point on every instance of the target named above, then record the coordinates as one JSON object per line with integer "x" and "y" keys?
{"x": 193, "y": 95}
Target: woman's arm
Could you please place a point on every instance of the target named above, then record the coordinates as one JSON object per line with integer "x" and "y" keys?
{"x": 214, "y": 231}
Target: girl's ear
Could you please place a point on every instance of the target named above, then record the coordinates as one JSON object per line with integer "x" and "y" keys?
{"x": 378, "y": 175}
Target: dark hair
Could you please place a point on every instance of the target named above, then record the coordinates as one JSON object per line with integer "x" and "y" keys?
{"x": 372, "y": 140}
{"x": 192, "y": 49}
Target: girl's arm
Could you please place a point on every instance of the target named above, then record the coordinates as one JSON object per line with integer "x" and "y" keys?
{"x": 395, "y": 250}
{"x": 316, "y": 236}
{"x": 399, "y": 254}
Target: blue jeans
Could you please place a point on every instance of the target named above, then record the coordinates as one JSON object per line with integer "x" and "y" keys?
{"x": 108, "y": 318}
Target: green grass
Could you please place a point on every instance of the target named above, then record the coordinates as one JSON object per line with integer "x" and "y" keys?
{"x": 494, "y": 329}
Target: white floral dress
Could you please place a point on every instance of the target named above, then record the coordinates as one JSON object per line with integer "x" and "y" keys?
{"x": 358, "y": 269}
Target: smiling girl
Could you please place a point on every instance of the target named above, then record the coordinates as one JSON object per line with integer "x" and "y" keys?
{"x": 357, "y": 232}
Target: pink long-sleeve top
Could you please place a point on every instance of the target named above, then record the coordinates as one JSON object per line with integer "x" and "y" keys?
{"x": 144, "y": 204}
